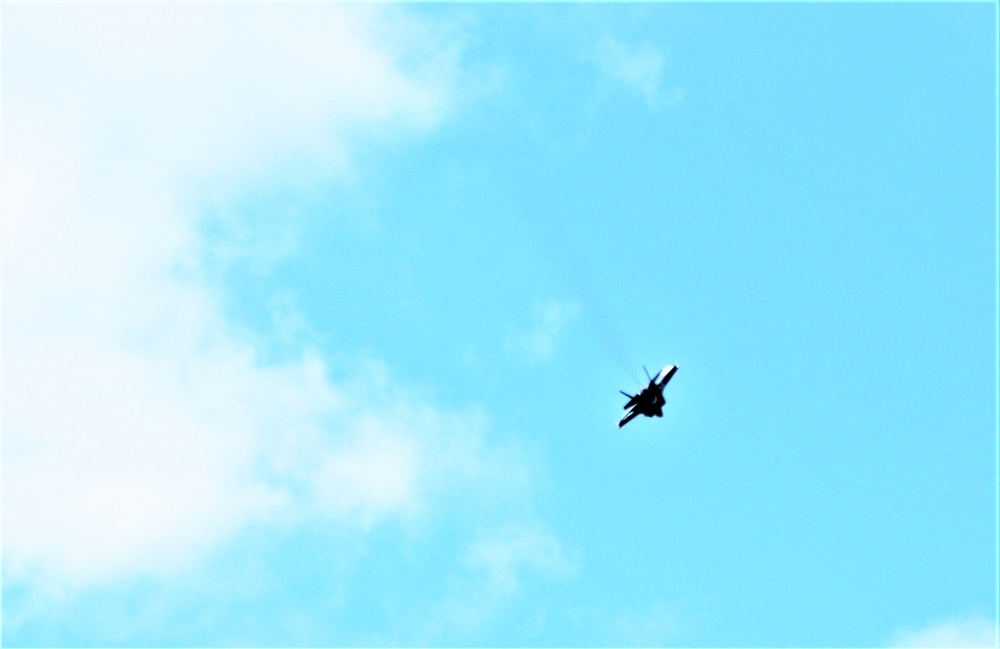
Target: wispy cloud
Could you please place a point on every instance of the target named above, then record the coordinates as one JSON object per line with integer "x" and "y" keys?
{"x": 639, "y": 68}
{"x": 953, "y": 633}
{"x": 502, "y": 554}
{"x": 495, "y": 564}
{"x": 551, "y": 318}
{"x": 142, "y": 427}
{"x": 657, "y": 625}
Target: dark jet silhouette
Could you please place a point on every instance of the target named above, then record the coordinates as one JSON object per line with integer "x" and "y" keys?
{"x": 650, "y": 401}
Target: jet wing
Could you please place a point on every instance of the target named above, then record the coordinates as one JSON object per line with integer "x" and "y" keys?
{"x": 632, "y": 399}
{"x": 629, "y": 416}
{"x": 667, "y": 376}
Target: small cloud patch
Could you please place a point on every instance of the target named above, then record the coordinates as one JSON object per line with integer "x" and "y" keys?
{"x": 640, "y": 70}
{"x": 953, "y": 633}
{"x": 539, "y": 344}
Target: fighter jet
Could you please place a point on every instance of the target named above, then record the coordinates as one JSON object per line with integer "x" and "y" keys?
{"x": 650, "y": 401}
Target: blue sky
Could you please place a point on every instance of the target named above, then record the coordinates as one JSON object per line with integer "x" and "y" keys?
{"x": 315, "y": 319}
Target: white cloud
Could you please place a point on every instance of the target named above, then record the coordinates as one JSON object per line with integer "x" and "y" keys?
{"x": 639, "y": 69}
{"x": 378, "y": 474}
{"x": 215, "y": 89}
{"x": 140, "y": 426}
{"x": 952, "y": 633}
{"x": 538, "y": 345}
{"x": 502, "y": 554}
{"x": 496, "y": 562}
{"x": 657, "y": 625}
